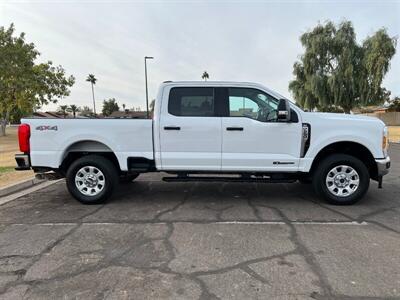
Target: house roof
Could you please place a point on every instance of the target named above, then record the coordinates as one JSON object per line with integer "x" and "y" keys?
{"x": 128, "y": 114}
{"x": 47, "y": 114}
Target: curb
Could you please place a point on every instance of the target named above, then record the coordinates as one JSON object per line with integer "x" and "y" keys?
{"x": 35, "y": 186}
{"x": 16, "y": 187}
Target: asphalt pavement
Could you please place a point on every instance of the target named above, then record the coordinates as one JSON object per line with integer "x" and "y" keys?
{"x": 157, "y": 240}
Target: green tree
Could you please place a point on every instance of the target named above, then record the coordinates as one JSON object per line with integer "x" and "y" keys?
{"x": 24, "y": 83}
{"x": 335, "y": 73}
{"x": 152, "y": 105}
{"x": 205, "y": 76}
{"x": 17, "y": 114}
{"x": 109, "y": 106}
{"x": 63, "y": 110}
{"x": 92, "y": 79}
{"x": 73, "y": 109}
{"x": 394, "y": 104}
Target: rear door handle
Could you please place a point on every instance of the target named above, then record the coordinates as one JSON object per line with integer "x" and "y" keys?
{"x": 234, "y": 128}
{"x": 172, "y": 128}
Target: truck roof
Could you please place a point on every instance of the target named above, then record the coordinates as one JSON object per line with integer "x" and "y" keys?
{"x": 224, "y": 83}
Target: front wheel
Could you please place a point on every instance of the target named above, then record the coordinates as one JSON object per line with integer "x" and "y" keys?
{"x": 341, "y": 179}
{"x": 91, "y": 179}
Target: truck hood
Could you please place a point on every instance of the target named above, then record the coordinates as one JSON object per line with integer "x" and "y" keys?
{"x": 337, "y": 118}
{"x": 328, "y": 128}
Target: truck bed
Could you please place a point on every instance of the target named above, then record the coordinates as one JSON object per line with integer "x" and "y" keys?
{"x": 51, "y": 139}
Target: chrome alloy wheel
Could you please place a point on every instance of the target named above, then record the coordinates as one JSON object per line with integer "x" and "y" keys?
{"x": 342, "y": 181}
{"x": 90, "y": 181}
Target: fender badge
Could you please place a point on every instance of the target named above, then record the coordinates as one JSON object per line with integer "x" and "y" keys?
{"x": 46, "y": 127}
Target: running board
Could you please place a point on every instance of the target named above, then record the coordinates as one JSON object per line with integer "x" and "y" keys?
{"x": 228, "y": 179}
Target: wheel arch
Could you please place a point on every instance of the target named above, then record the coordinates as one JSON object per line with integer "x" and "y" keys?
{"x": 351, "y": 148}
{"x": 85, "y": 147}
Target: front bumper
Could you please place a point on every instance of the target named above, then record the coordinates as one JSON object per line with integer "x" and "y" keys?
{"x": 23, "y": 162}
{"x": 383, "y": 166}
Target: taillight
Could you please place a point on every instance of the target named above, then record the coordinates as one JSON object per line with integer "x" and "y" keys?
{"x": 24, "y": 133}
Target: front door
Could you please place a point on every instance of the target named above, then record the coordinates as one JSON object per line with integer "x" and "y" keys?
{"x": 252, "y": 139}
{"x": 190, "y": 131}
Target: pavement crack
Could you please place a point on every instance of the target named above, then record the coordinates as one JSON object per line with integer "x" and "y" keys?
{"x": 384, "y": 226}
{"x": 334, "y": 210}
{"x": 36, "y": 258}
{"x": 308, "y": 256}
{"x": 241, "y": 264}
{"x": 170, "y": 248}
{"x": 205, "y": 293}
{"x": 177, "y": 206}
{"x": 91, "y": 213}
{"x": 376, "y": 212}
{"x": 254, "y": 275}
{"x": 256, "y": 211}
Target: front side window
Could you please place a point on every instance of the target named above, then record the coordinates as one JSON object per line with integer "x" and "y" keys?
{"x": 252, "y": 103}
{"x": 191, "y": 102}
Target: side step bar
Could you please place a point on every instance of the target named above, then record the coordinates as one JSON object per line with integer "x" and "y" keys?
{"x": 228, "y": 179}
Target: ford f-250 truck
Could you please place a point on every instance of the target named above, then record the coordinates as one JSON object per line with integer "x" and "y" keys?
{"x": 212, "y": 131}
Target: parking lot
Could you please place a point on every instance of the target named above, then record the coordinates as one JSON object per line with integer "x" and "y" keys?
{"x": 202, "y": 241}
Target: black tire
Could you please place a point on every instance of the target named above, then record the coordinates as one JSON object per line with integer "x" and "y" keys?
{"x": 128, "y": 178}
{"x": 326, "y": 165}
{"x": 105, "y": 166}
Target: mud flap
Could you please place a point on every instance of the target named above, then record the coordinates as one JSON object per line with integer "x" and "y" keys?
{"x": 380, "y": 182}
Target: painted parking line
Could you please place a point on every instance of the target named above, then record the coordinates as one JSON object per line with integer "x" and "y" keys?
{"x": 294, "y": 222}
{"x": 346, "y": 223}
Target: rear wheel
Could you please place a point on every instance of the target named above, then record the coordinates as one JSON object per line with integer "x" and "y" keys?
{"x": 341, "y": 179}
{"x": 91, "y": 179}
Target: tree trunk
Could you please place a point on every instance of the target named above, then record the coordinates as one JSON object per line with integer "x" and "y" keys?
{"x": 346, "y": 110}
{"x": 94, "y": 101}
{"x": 3, "y": 124}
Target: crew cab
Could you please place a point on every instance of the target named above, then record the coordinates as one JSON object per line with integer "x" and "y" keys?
{"x": 211, "y": 131}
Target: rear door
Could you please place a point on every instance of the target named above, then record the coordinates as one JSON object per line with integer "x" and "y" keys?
{"x": 190, "y": 130}
{"x": 252, "y": 139}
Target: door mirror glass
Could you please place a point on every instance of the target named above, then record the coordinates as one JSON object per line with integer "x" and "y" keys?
{"x": 284, "y": 111}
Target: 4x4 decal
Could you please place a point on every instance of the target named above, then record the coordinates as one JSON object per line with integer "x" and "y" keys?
{"x": 46, "y": 127}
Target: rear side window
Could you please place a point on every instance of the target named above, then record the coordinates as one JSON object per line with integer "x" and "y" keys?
{"x": 192, "y": 102}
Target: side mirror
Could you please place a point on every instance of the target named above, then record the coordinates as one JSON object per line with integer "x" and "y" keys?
{"x": 284, "y": 111}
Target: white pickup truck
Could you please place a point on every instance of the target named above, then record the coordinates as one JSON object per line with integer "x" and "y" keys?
{"x": 212, "y": 131}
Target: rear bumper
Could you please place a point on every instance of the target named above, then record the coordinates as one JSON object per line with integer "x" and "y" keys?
{"x": 383, "y": 166}
{"x": 23, "y": 162}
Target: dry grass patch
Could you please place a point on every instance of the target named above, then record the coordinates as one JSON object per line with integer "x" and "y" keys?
{"x": 394, "y": 134}
{"x": 8, "y": 148}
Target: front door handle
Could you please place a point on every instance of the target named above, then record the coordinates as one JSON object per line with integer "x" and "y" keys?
{"x": 172, "y": 128}
{"x": 234, "y": 128}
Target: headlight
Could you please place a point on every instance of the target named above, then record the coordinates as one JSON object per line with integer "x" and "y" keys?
{"x": 385, "y": 141}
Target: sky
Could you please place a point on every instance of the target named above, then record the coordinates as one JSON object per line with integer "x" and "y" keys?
{"x": 255, "y": 41}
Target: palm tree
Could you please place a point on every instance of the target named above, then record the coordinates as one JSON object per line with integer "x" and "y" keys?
{"x": 74, "y": 109}
{"x": 63, "y": 110}
{"x": 205, "y": 76}
{"x": 92, "y": 80}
